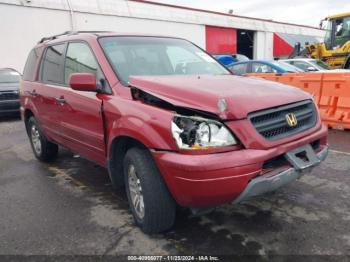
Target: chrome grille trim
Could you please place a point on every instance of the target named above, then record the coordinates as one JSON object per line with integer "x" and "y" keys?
{"x": 272, "y": 125}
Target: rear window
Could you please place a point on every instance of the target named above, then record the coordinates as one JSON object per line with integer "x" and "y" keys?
{"x": 9, "y": 76}
{"x": 53, "y": 63}
{"x": 29, "y": 68}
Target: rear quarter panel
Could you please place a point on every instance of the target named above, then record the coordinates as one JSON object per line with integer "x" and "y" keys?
{"x": 25, "y": 99}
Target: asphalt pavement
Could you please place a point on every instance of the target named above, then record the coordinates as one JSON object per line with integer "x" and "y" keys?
{"x": 68, "y": 207}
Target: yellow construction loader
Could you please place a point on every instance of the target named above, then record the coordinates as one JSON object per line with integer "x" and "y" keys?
{"x": 335, "y": 50}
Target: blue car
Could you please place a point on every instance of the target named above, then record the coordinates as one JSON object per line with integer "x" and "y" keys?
{"x": 262, "y": 66}
{"x": 230, "y": 59}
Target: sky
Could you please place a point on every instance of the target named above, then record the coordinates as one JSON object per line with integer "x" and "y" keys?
{"x": 305, "y": 12}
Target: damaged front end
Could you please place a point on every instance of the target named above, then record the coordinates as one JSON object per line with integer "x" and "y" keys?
{"x": 193, "y": 129}
{"x": 200, "y": 133}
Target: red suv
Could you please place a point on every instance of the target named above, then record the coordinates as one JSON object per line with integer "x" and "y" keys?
{"x": 170, "y": 123}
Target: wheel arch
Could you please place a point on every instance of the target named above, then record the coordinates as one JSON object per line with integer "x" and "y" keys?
{"x": 28, "y": 113}
{"x": 347, "y": 63}
{"x": 138, "y": 130}
{"x": 117, "y": 150}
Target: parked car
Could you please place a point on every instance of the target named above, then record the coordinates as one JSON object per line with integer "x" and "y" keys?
{"x": 171, "y": 124}
{"x": 307, "y": 64}
{"x": 9, "y": 90}
{"x": 230, "y": 59}
{"x": 262, "y": 66}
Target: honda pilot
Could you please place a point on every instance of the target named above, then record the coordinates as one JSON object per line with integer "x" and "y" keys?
{"x": 171, "y": 124}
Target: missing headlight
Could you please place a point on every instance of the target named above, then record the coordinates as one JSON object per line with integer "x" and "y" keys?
{"x": 200, "y": 133}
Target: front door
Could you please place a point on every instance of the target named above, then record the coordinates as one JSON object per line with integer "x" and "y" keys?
{"x": 81, "y": 118}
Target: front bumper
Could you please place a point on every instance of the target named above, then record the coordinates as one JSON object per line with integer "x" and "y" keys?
{"x": 8, "y": 107}
{"x": 209, "y": 180}
{"x": 270, "y": 182}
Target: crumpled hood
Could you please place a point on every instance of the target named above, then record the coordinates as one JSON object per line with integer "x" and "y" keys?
{"x": 242, "y": 94}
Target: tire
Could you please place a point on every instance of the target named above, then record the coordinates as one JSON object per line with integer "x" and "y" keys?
{"x": 159, "y": 207}
{"x": 43, "y": 149}
{"x": 347, "y": 65}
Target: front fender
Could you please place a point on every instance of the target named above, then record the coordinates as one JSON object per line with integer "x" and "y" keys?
{"x": 147, "y": 124}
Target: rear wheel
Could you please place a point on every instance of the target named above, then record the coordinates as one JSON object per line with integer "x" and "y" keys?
{"x": 150, "y": 202}
{"x": 43, "y": 149}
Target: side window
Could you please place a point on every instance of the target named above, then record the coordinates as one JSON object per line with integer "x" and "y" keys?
{"x": 52, "y": 66}
{"x": 79, "y": 59}
{"x": 30, "y": 66}
{"x": 262, "y": 68}
{"x": 239, "y": 69}
{"x": 302, "y": 65}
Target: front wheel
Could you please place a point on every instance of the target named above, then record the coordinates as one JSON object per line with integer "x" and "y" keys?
{"x": 150, "y": 202}
{"x": 43, "y": 149}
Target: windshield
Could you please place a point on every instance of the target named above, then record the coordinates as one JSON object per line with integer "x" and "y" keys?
{"x": 139, "y": 56}
{"x": 342, "y": 31}
{"x": 9, "y": 76}
{"x": 286, "y": 66}
{"x": 319, "y": 64}
{"x": 328, "y": 37}
{"x": 337, "y": 32}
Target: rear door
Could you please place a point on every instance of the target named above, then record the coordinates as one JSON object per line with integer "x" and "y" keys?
{"x": 81, "y": 115}
{"x": 47, "y": 93}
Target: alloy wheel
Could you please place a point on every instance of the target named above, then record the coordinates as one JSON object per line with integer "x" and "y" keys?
{"x": 35, "y": 136}
{"x": 135, "y": 190}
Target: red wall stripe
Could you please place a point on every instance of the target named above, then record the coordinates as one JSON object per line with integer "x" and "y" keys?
{"x": 221, "y": 40}
{"x": 280, "y": 47}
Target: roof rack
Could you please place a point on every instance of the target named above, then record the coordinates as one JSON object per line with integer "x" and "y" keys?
{"x": 42, "y": 40}
{"x": 48, "y": 38}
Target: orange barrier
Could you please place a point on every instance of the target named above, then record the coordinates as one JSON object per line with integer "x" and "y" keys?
{"x": 335, "y": 101}
{"x": 331, "y": 92}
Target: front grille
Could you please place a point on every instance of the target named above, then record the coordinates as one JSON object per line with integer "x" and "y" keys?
{"x": 13, "y": 105}
{"x": 8, "y": 96}
{"x": 272, "y": 124}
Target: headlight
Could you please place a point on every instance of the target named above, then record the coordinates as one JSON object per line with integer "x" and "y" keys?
{"x": 200, "y": 133}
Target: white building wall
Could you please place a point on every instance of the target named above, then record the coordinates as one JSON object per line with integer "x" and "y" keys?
{"x": 24, "y": 22}
{"x": 137, "y": 9}
{"x": 25, "y": 26}
{"x": 263, "y": 45}
{"x": 22, "y": 28}
{"x": 192, "y": 32}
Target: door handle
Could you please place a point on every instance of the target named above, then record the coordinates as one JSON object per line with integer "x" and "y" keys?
{"x": 60, "y": 100}
{"x": 33, "y": 92}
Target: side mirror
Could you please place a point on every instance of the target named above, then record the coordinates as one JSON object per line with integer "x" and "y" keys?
{"x": 83, "y": 82}
{"x": 311, "y": 69}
